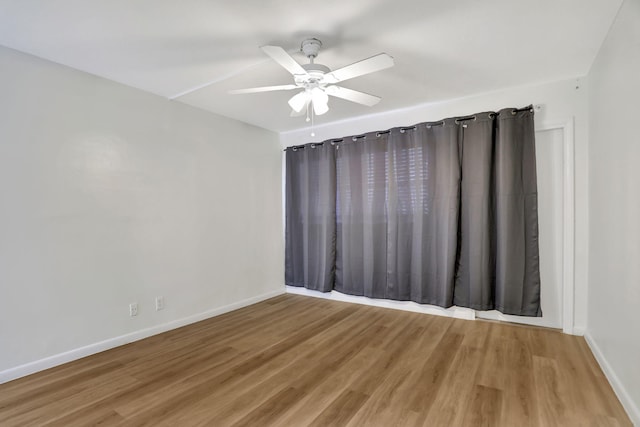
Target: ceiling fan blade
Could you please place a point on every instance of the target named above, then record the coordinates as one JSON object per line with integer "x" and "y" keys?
{"x": 263, "y": 89}
{"x": 366, "y": 66}
{"x": 281, "y": 56}
{"x": 353, "y": 95}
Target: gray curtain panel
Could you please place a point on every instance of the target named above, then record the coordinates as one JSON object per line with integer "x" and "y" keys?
{"x": 442, "y": 213}
{"x": 517, "y": 280}
{"x": 498, "y": 229}
{"x": 310, "y": 214}
{"x": 397, "y": 214}
{"x": 361, "y": 228}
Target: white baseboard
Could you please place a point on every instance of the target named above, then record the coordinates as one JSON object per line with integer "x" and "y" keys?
{"x": 578, "y": 331}
{"x": 629, "y": 405}
{"x": 78, "y": 353}
{"x": 457, "y": 312}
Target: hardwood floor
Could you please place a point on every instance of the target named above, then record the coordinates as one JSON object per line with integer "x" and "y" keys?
{"x": 298, "y": 361}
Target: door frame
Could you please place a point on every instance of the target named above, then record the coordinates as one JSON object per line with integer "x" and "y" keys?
{"x": 568, "y": 220}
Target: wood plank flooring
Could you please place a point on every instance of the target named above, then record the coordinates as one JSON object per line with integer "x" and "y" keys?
{"x": 301, "y": 361}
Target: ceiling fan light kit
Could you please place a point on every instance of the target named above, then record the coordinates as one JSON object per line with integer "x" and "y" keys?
{"x": 317, "y": 81}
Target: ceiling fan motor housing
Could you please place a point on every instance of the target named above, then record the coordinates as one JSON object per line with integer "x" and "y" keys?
{"x": 316, "y": 70}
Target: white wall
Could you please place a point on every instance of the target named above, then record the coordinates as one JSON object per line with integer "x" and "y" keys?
{"x": 614, "y": 168}
{"x": 110, "y": 195}
{"x": 561, "y": 101}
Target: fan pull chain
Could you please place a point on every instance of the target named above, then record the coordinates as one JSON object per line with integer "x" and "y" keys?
{"x": 312, "y": 116}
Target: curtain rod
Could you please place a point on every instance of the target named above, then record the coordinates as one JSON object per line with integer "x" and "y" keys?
{"x": 514, "y": 111}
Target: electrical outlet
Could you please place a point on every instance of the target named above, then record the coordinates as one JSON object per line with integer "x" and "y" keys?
{"x": 133, "y": 309}
{"x": 159, "y": 303}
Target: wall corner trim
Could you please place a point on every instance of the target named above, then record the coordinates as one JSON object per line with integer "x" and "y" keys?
{"x": 629, "y": 405}
{"x": 78, "y": 353}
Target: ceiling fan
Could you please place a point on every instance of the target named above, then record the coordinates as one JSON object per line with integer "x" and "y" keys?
{"x": 317, "y": 81}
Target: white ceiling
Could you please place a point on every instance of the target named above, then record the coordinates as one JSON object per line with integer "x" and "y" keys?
{"x": 442, "y": 49}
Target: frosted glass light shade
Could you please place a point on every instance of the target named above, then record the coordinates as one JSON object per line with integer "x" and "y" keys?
{"x": 298, "y": 101}
{"x": 320, "y": 101}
